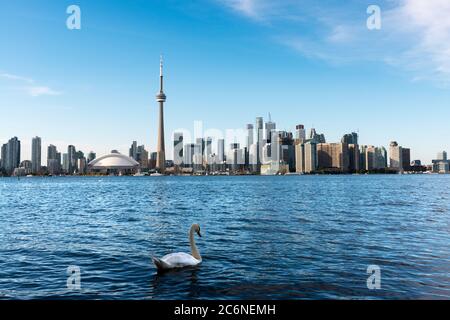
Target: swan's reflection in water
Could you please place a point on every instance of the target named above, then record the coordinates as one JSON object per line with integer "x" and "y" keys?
{"x": 184, "y": 281}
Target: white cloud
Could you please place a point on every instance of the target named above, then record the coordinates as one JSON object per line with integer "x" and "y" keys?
{"x": 37, "y": 91}
{"x": 32, "y": 90}
{"x": 426, "y": 27}
{"x": 414, "y": 37}
{"x": 15, "y": 77}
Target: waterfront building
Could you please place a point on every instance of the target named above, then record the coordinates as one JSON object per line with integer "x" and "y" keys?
{"x": 259, "y": 141}
{"x": 82, "y": 165}
{"x": 333, "y": 156}
{"x": 253, "y": 158}
{"x": 353, "y": 156}
{"x": 441, "y": 164}
{"x": 221, "y": 151}
{"x": 11, "y": 155}
{"x": 161, "y": 98}
{"x": 200, "y": 142}
{"x": 197, "y": 160}
{"x": 3, "y": 157}
{"x": 53, "y": 160}
{"x": 208, "y": 147}
{"x": 250, "y": 136}
{"x": 72, "y": 159}
{"x": 374, "y": 157}
{"x": 406, "y": 158}
{"x": 66, "y": 164}
{"x": 114, "y": 163}
{"x": 133, "y": 150}
{"x": 27, "y": 166}
{"x": 142, "y": 157}
{"x": 235, "y": 158}
{"x": 36, "y": 158}
{"x": 395, "y": 156}
{"x": 287, "y": 149}
{"x": 152, "y": 161}
{"x": 351, "y": 140}
{"x": 305, "y": 156}
{"x": 188, "y": 154}
{"x": 274, "y": 168}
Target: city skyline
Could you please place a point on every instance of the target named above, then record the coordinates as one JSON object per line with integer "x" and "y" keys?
{"x": 230, "y": 71}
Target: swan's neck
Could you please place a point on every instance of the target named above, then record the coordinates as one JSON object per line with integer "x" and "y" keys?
{"x": 194, "y": 249}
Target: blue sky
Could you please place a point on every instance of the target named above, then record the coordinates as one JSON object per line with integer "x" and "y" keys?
{"x": 226, "y": 62}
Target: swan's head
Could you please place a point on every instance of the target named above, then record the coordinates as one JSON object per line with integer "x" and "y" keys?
{"x": 196, "y": 228}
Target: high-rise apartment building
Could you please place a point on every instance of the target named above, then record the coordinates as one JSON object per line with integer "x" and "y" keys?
{"x": 406, "y": 158}
{"x": 133, "y": 150}
{"x": 305, "y": 156}
{"x": 333, "y": 156}
{"x": 300, "y": 133}
{"x": 53, "y": 160}
{"x": 72, "y": 159}
{"x": 36, "y": 155}
{"x": 395, "y": 156}
{"x": 11, "y": 155}
{"x": 178, "y": 148}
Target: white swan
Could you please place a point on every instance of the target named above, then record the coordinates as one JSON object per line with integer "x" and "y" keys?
{"x": 181, "y": 259}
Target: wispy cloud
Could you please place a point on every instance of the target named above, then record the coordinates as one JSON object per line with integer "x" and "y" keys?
{"x": 29, "y": 86}
{"x": 37, "y": 91}
{"x": 15, "y": 77}
{"x": 415, "y": 34}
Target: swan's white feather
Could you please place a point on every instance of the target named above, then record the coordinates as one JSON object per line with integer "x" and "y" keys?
{"x": 180, "y": 259}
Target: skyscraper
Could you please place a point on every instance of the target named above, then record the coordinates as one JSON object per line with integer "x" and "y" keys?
{"x": 442, "y": 156}
{"x": 208, "y": 148}
{"x": 36, "y": 155}
{"x": 270, "y": 126}
{"x": 133, "y": 150}
{"x": 406, "y": 158}
{"x": 300, "y": 133}
{"x": 249, "y": 136}
{"x": 65, "y": 163}
{"x": 350, "y": 138}
{"x": 178, "y": 148}
{"x": 188, "y": 154}
{"x": 395, "y": 156}
{"x": 53, "y": 160}
{"x": 317, "y": 138}
{"x": 259, "y": 141}
{"x": 142, "y": 157}
{"x": 72, "y": 159}
{"x": 220, "y": 151}
{"x": 12, "y": 155}
{"x": 3, "y": 157}
{"x": 161, "y": 98}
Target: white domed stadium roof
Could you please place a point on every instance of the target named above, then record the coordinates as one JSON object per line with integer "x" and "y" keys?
{"x": 114, "y": 161}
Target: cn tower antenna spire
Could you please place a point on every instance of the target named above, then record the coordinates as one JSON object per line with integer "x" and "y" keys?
{"x": 161, "y": 74}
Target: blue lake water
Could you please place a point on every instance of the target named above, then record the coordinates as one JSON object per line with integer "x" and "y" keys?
{"x": 287, "y": 237}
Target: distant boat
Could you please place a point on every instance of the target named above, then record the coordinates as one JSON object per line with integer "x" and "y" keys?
{"x": 156, "y": 174}
{"x": 139, "y": 174}
{"x": 29, "y": 176}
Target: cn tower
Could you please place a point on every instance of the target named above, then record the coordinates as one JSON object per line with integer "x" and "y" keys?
{"x": 161, "y": 98}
